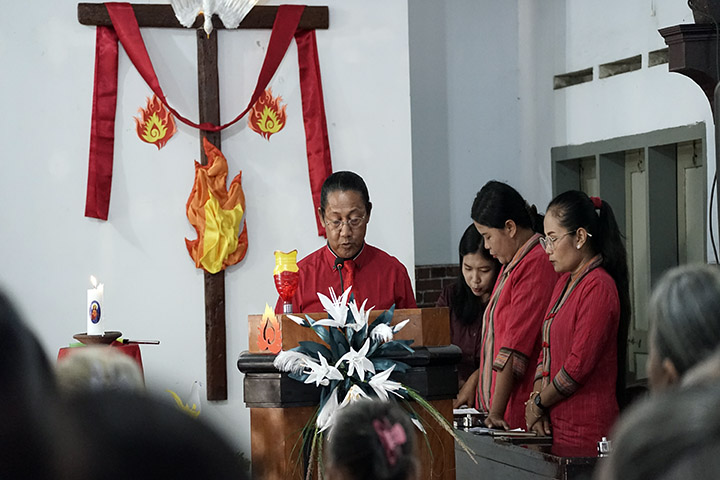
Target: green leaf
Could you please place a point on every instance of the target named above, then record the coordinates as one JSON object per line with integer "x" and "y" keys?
{"x": 385, "y": 317}
{"x": 395, "y": 345}
{"x": 401, "y": 367}
{"x": 339, "y": 343}
{"x": 312, "y": 348}
{"x": 300, "y": 377}
{"x": 323, "y": 333}
{"x": 382, "y": 364}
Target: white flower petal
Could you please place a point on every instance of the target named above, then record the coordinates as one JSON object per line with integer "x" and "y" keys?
{"x": 419, "y": 425}
{"x": 296, "y": 319}
{"x": 336, "y": 308}
{"x": 358, "y": 361}
{"x": 326, "y": 417}
{"x": 360, "y": 315}
{"x": 400, "y": 325}
{"x": 334, "y": 374}
{"x": 291, "y": 361}
{"x": 354, "y": 394}
{"x": 382, "y": 332}
{"x": 364, "y": 349}
{"x": 329, "y": 322}
{"x": 381, "y": 383}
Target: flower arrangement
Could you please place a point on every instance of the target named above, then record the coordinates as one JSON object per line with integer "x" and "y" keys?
{"x": 351, "y": 364}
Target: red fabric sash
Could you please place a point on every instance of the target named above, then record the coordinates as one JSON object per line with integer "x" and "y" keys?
{"x": 102, "y": 132}
{"x": 105, "y": 97}
{"x": 316, "y": 135}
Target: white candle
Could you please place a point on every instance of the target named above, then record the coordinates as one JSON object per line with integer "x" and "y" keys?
{"x": 95, "y": 308}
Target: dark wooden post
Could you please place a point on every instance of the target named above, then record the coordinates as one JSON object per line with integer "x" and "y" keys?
{"x": 215, "y": 337}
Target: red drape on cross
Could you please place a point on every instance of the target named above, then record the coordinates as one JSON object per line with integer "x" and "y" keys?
{"x": 126, "y": 29}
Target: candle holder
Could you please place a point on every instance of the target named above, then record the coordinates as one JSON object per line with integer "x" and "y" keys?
{"x": 286, "y": 277}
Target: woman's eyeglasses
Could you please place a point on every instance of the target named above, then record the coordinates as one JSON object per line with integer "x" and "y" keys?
{"x": 548, "y": 242}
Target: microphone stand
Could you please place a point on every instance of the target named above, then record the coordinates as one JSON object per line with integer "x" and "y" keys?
{"x": 339, "y": 265}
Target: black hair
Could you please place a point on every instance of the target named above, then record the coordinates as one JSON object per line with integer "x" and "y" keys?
{"x": 466, "y": 304}
{"x": 27, "y": 401}
{"x": 574, "y": 210}
{"x": 142, "y": 431}
{"x": 355, "y": 448}
{"x": 498, "y": 202}
{"x": 343, "y": 181}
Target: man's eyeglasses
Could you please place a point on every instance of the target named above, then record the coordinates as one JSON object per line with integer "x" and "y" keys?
{"x": 354, "y": 222}
{"x": 548, "y": 242}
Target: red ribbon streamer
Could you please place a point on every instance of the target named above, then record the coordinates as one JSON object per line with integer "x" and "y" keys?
{"x": 105, "y": 97}
{"x": 102, "y": 133}
{"x": 316, "y": 135}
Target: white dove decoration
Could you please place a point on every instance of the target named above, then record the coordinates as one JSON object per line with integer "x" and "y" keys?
{"x": 231, "y": 12}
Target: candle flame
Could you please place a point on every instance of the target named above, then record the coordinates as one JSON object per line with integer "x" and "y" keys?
{"x": 94, "y": 281}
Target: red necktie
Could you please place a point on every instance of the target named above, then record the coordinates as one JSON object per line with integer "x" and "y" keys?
{"x": 349, "y": 270}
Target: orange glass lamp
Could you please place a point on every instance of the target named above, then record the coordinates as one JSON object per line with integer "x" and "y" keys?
{"x": 286, "y": 277}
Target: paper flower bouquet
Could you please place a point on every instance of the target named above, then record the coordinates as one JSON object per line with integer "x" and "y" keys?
{"x": 351, "y": 362}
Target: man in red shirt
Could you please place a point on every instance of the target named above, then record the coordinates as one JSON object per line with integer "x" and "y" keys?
{"x": 347, "y": 260}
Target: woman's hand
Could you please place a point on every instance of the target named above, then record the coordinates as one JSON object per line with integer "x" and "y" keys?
{"x": 494, "y": 420}
{"x": 542, "y": 426}
{"x": 466, "y": 395}
{"x": 533, "y": 414}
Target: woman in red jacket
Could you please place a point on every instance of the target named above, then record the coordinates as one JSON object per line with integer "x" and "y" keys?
{"x": 580, "y": 377}
{"x": 511, "y": 325}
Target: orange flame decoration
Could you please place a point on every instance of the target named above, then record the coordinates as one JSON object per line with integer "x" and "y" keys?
{"x": 216, "y": 214}
{"x": 157, "y": 124}
{"x": 267, "y": 116}
{"x": 270, "y": 334}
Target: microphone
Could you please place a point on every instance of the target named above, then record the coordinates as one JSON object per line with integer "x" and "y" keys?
{"x": 339, "y": 265}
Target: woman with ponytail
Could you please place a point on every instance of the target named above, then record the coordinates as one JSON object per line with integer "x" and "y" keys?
{"x": 580, "y": 376}
{"x": 509, "y": 344}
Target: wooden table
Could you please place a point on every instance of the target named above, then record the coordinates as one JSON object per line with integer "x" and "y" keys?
{"x": 496, "y": 459}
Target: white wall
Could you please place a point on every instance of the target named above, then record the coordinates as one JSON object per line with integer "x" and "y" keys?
{"x": 464, "y": 78}
{"x": 493, "y": 75}
{"x": 632, "y": 103}
{"x": 152, "y": 288}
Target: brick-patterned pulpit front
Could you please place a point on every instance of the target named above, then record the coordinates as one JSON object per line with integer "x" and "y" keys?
{"x": 280, "y": 406}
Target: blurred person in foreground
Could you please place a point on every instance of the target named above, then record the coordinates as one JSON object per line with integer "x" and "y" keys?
{"x": 684, "y": 314}
{"x": 372, "y": 439}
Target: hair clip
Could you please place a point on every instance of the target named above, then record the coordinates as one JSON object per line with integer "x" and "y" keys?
{"x": 391, "y": 437}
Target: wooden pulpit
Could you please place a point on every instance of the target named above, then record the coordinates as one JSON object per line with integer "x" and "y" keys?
{"x": 280, "y": 406}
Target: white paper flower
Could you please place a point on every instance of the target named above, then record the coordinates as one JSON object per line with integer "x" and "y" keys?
{"x": 418, "y": 425}
{"x": 358, "y": 361}
{"x": 381, "y": 384}
{"x": 382, "y": 332}
{"x": 326, "y": 417}
{"x": 361, "y": 316}
{"x": 296, "y": 319}
{"x": 335, "y": 307}
{"x": 321, "y": 373}
{"x": 400, "y": 325}
{"x": 353, "y": 395}
{"x": 291, "y": 361}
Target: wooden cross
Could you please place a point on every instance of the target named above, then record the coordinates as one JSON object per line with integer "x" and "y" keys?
{"x": 163, "y": 16}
